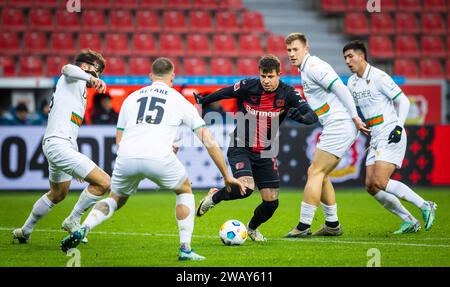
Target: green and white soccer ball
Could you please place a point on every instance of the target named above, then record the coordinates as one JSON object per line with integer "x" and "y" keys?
{"x": 233, "y": 232}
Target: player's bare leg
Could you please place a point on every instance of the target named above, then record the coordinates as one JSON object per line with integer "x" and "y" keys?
{"x": 328, "y": 202}
{"x": 263, "y": 212}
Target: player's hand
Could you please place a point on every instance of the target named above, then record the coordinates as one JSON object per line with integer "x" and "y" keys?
{"x": 294, "y": 114}
{"x": 98, "y": 84}
{"x": 361, "y": 126}
{"x": 231, "y": 181}
{"x": 396, "y": 135}
{"x": 198, "y": 98}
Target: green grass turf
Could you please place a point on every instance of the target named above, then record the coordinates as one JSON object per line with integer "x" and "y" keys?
{"x": 144, "y": 233}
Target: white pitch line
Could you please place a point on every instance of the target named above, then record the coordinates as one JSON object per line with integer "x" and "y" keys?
{"x": 307, "y": 240}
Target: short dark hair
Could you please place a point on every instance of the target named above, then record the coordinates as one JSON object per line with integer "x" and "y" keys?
{"x": 296, "y": 36}
{"x": 21, "y": 107}
{"x": 269, "y": 63}
{"x": 356, "y": 45}
{"x": 91, "y": 57}
{"x": 162, "y": 67}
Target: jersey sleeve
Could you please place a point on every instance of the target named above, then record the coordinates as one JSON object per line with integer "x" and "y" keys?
{"x": 122, "y": 120}
{"x": 190, "y": 117}
{"x": 324, "y": 75}
{"x": 387, "y": 86}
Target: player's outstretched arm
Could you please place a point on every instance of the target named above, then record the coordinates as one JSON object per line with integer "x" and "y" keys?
{"x": 225, "y": 93}
{"x": 75, "y": 72}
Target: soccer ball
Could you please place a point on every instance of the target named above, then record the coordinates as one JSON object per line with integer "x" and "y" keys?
{"x": 233, "y": 232}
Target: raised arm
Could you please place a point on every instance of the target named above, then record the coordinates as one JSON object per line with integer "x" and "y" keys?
{"x": 224, "y": 93}
{"x": 76, "y": 73}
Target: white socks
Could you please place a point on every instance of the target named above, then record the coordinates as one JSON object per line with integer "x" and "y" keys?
{"x": 402, "y": 191}
{"x": 103, "y": 210}
{"x": 394, "y": 205}
{"x": 330, "y": 212}
{"x": 186, "y": 225}
{"x": 85, "y": 201}
{"x": 42, "y": 206}
{"x": 307, "y": 212}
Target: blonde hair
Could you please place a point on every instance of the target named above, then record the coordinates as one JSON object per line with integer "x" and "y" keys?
{"x": 296, "y": 36}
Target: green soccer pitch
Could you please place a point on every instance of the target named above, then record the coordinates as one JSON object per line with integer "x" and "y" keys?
{"x": 144, "y": 233}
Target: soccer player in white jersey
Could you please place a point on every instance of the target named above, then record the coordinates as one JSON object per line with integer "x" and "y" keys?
{"x": 59, "y": 145}
{"x": 332, "y": 102}
{"x": 374, "y": 93}
{"x": 146, "y": 129}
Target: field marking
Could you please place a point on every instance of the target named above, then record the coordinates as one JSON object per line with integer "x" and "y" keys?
{"x": 308, "y": 240}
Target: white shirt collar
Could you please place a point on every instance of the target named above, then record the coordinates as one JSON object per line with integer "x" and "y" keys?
{"x": 302, "y": 66}
{"x": 366, "y": 71}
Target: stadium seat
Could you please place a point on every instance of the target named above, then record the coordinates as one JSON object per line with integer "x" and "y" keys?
{"x": 356, "y": 24}
{"x": 7, "y": 66}
{"x": 409, "y": 5}
{"x": 198, "y": 45}
{"x": 432, "y": 23}
{"x": 431, "y": 68}
{"x": 41, "y": 20}
{"x": 117, "y": 44}
{"x": 252, "y": 22}
{"x": 139, "y": 66}
{"x": 276, "y": 46}
{"x": 406, "y": 68}
{"x": 195, "y": 67}
{"x": 224, "y": 45}
{"x": 356, "y": 5}
{"x": 18, "y": 3}
{"x": 35, "y": 43}
{"x": 447, "y": 69}
{"x": 147, "y": 21}
{"x": 125, "y": 4}
{"x": 406, "y": 46}
{"x": 152, "y": 4}
{"x": 178, "y": 66}
{"x": 144, "y": 44}
{"x": 231, "y": 5}
{"x": 448, "y": 47}
{"x": 382, "y": 23}
{"x": 115, "y": 66}
{"x": 247, "y": 66}
{"x": 332, "y": 6}
{"x": 406, "y": 23}
{"x": 93, "y": 20}
{"x": 31, "y": 66}
{"x": 97, "y": 4}
{"x": 120, "y": 21}
{"x": 221, "y": 67}
{"x": 250, "y": 45}
{"x": 13, "y": 19}
{"x": 174, "y": 22}
{"x": 171, "y": 45}
{"x": 381, "y": 47}
{"x": 200, "y": 22}
{"x": 65, "y": 21}
{"x": 49, "y": 3}
{"x": 204, "y": 4}
{"x": 433, "y": 46}
{"x": 9, "y": 43}
{"x": 434, "y": 5}
{"x": 178, "y": 4}
{"x": 62, "y": 43}
{"x": 227, "y": 22}
{"x": 388, "y": 6}
{"x": 55, "y": 63}
{"x": 92, "y": 41}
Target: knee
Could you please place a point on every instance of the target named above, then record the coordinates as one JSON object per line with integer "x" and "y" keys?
{"x": 371, "y": 189}
{"x": 57, "y": 196}
{"x": 104, "y": 185}
{"x": 375, "y": 184}
{"x": 314, "y": 171}
{"x": 272, "y": 205}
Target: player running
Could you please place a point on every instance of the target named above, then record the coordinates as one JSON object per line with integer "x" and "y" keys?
{"x": 332, "y": 102}
{"x": 146, "y": 128}
{"x": 59, "y": 145}
{"x": 374, "y": 93}
{"x": 264, "y": 100}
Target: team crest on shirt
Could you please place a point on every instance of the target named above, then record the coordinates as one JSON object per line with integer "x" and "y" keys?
{"x": 240, "y": 165}
{"x": 279, "y": 102}
{"x": 237, "y": 86}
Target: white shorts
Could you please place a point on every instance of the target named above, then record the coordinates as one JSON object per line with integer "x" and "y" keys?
{"x": 64, "y": 160}
{"x": 380, "y": 150}
{"x": 167, "y": 172}
{"x": 337, "y": 137}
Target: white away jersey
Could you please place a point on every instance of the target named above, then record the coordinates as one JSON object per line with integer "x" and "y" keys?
{"x": 150, "y": 118}
{"x": 374, "y": 94}
{"x": 317, "y": 79}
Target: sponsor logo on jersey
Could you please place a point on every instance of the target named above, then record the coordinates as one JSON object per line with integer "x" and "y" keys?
{"x": 270, "y": 114}
{"x": 237, "y": 86}
{"x": 240, "y": 165}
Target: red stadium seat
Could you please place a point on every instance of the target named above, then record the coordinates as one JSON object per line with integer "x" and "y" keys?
{"x": 92, "y": 41}
{"x": 115, "y": 66}
{"x": 9, "y": 43}
{"x": 179, "y": 4}
{"x": 198, "y": 45}
{"x": 41, "y": 20}
{"x": 409, "y": 5}
{"x": 97, "y": 4}
{"x": 139, "y": 66}
{"x": 195, "y": 67}
{"x": 356, "y": 24}
{"x": 431, "y": 68}
{"x": 406, "y": 46}
{"x": 231, "y": 5}
{"x": 62, "y": 43}
{"x": 250, "y": 45}
{"x": 332, "y": 6}
{"x": 54, "y": 64}
{"x": 120, "y": 21}
{"x": 13, "y": 19}
{"x": 93, "y": 20}
{"x": 448, "y": 47}
{"x": 357, "y": 5}
{"x": 447, "y": 69}
{"x": 253, "y": 22}
{"x": 178, "y": 66}
{"x": 434, "y": 5}
{"x": 49, "y": 3}
{"x": 144, "y": 44}
{"x": 247, "y": 66}
{"x": 227, "y": 22}
{"x": 31, "y": 66}
{"x": 381, "y": 47}
{"x": 224, "y": 45}
{"x": 174, "y": 22}
{"x": 152, "y": 4}
{"x": 171, "y": 45}
{"x": 125, "y": 4}
{"x": 433, "y": 46}
{"x": 147, "y": 21}
{"x": 35, "y": 43}
{"x": 276, "y": 46}
{"x": 406, "y": 68}
{"x": 204, "y": 4}
{"x": 19, "y": 3}
{"x": 7, "y": 66}
{"x": 406, "y": 23}
{"x": 221, "y": 67}
{"x": 66, "y": 21}
{"x": 432, "y": 23}
{"x": 201, "y": 22}
{"x": 388, "y": 5}
{"x": 117, "y": 44}
{"x": 382, "y": 23}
